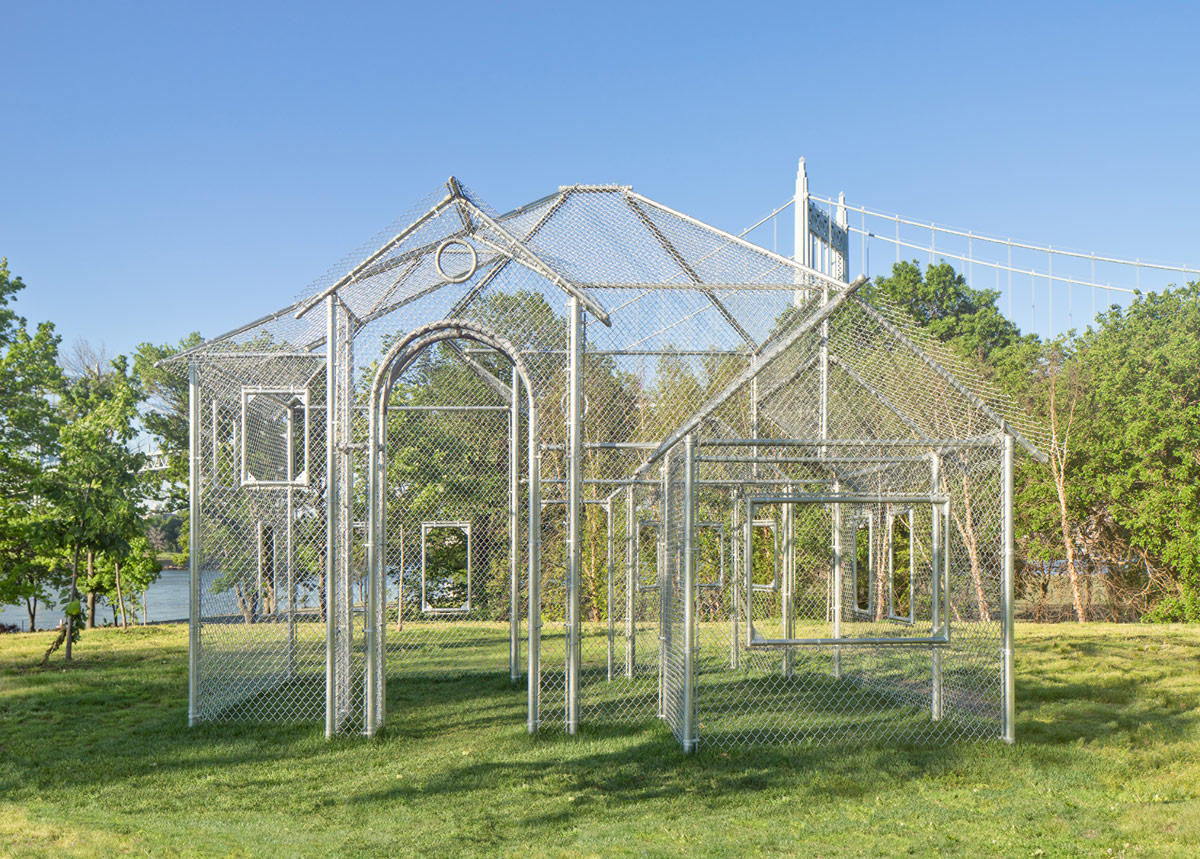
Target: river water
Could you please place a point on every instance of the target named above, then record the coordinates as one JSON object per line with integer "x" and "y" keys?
{"x": 166, "y": 599}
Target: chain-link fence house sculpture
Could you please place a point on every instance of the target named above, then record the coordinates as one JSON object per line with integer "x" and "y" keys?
{"x": 652, "y": 469}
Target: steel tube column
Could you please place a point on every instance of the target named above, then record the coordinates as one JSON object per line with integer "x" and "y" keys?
{"x": 608, "y": 605}
{"x": 372, "y": 629}
{"x": 331, "y": 509}
{"x": 837, "y": 582}
{"x": 514, "y": 530}
{"x": 938, "y": 575}
{"x": 534, "y": 617}
{"x": 689, "y": 598}
{"x": 574, "y": 505}
{"x": 1010, "y": 708}
{"x": 193, "y": 543}
{"x": 631, "y": 536}
{"x": 788, "y": 597}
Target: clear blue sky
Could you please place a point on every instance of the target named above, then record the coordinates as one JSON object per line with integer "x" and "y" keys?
{"x": 167, "y": 169}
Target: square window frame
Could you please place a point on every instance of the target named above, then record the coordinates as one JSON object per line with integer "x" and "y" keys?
{"x": 290, "y": 395}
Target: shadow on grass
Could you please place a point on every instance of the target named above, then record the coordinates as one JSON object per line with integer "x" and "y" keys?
{"x": 108, "y": 719}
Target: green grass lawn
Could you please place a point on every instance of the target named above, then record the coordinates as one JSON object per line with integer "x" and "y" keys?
{"x": 96, "y": 759}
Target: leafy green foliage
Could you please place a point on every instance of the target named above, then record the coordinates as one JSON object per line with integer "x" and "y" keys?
{"x": 941, "y": 301}
{"x": 1144, "y": 434}
{"x": 29, "y": 377}
{"x": 165, "y": 413}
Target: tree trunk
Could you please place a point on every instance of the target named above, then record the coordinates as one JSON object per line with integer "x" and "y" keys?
{"x": 74, "y": 596}
{"x": 120, "y": 598}
{"x": 1060, "y": 484}
{"x": 881, "y": 570}
{"x": 966, "y": 529}
{"x": 31, "y": 608}
{"x": 589, "y": 569}
{"x": 244, "y": 603}
{"x": 91, "y": 597}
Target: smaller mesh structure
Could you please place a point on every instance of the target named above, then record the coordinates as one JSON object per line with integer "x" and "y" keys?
{"x": 648, "y": 471}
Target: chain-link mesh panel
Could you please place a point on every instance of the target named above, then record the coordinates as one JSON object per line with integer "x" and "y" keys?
{"x": 846, "y": 572}
{"x": 448, "y": 560}
{"x": 708, "y": 335}
{"x": 262, "y": 538}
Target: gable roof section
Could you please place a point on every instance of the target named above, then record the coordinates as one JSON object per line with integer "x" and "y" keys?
{"x": 657, "y": 278}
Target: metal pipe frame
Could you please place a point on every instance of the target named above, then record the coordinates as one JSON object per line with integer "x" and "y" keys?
{"x": 775, "y": 586}
{"x": 734, "y": 596}
{"x": 514, "y": 530}
{"x": 836, "y": 582}
{"x": 331, "y": 512}
{"x": 993, "y": 441}
{"x": 659, "y": 544}
{"x": 938, "y": 560}
{"x": 630, "y": 583}
{"x": 824, "y": 312}
{"x": 608, "y": 605}
{"x": 810, "y": 460}
{"x": 194, "y": 544}
{"x": 426, "y": 527}
{"x": 688, "y": 728}
{"x": 941, "y": 630}
{"x": 534, "y": 622}
{"x": 787, "y": 597}
{"x": 664, "y": 628}
{"x": 1010, "y": 689}
{"x": 394, "y": 365}
{"x": 576, "y": 338}
{"x": 305, "y": 306}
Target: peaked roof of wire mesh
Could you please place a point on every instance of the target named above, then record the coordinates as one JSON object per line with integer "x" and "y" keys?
{"x": 658, "y": 280}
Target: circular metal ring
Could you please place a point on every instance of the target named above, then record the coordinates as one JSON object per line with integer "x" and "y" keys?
{"x": 458, "y": 278}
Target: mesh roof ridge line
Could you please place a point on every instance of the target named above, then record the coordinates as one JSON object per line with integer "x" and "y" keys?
{"x": 819, "y": 314}
{"x": 778, "y": 258}
{"x": 539, "y": 265}
{"x": 953, "y": 381}
{"x": 312, "y": 302}
{"x": 688, "y": 270}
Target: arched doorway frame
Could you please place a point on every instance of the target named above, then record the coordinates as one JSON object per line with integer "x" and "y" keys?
{"x": 397, "y": 361}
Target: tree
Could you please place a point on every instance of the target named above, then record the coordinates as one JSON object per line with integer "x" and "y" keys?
{"x": 121, "y": 575}
{"x": 29, "y": 376}
{"x": 1144, "y": 437}
{"x": 1051, "y": 383}
{"x": 94, "y": 487}
{"x": 942, "y": 302}
{"x": 165, "y": 413}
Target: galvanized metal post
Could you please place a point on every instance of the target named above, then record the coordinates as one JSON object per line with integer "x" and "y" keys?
{"x": 938, "y": 574}
{"x": 787, "y": 597}
{"x": 534, "y": 618}
{"x": 574, "y": 506}
{"x": 837, "y": 582}
{"x": 664, "y": 588}
{"x": 331, "y": 511}
{"x": 1010, "y": 706}
{"x": 734, "y": 579}
{"x": 608, "y": 604}
{"x": 291, "y": 584}
{"x": 374, "y": 573}
{"x": 193, "y": 543}
{"x": 689, "y": 597}
{"x": 632, "y": 546}
{"x": 514, "y": 530}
